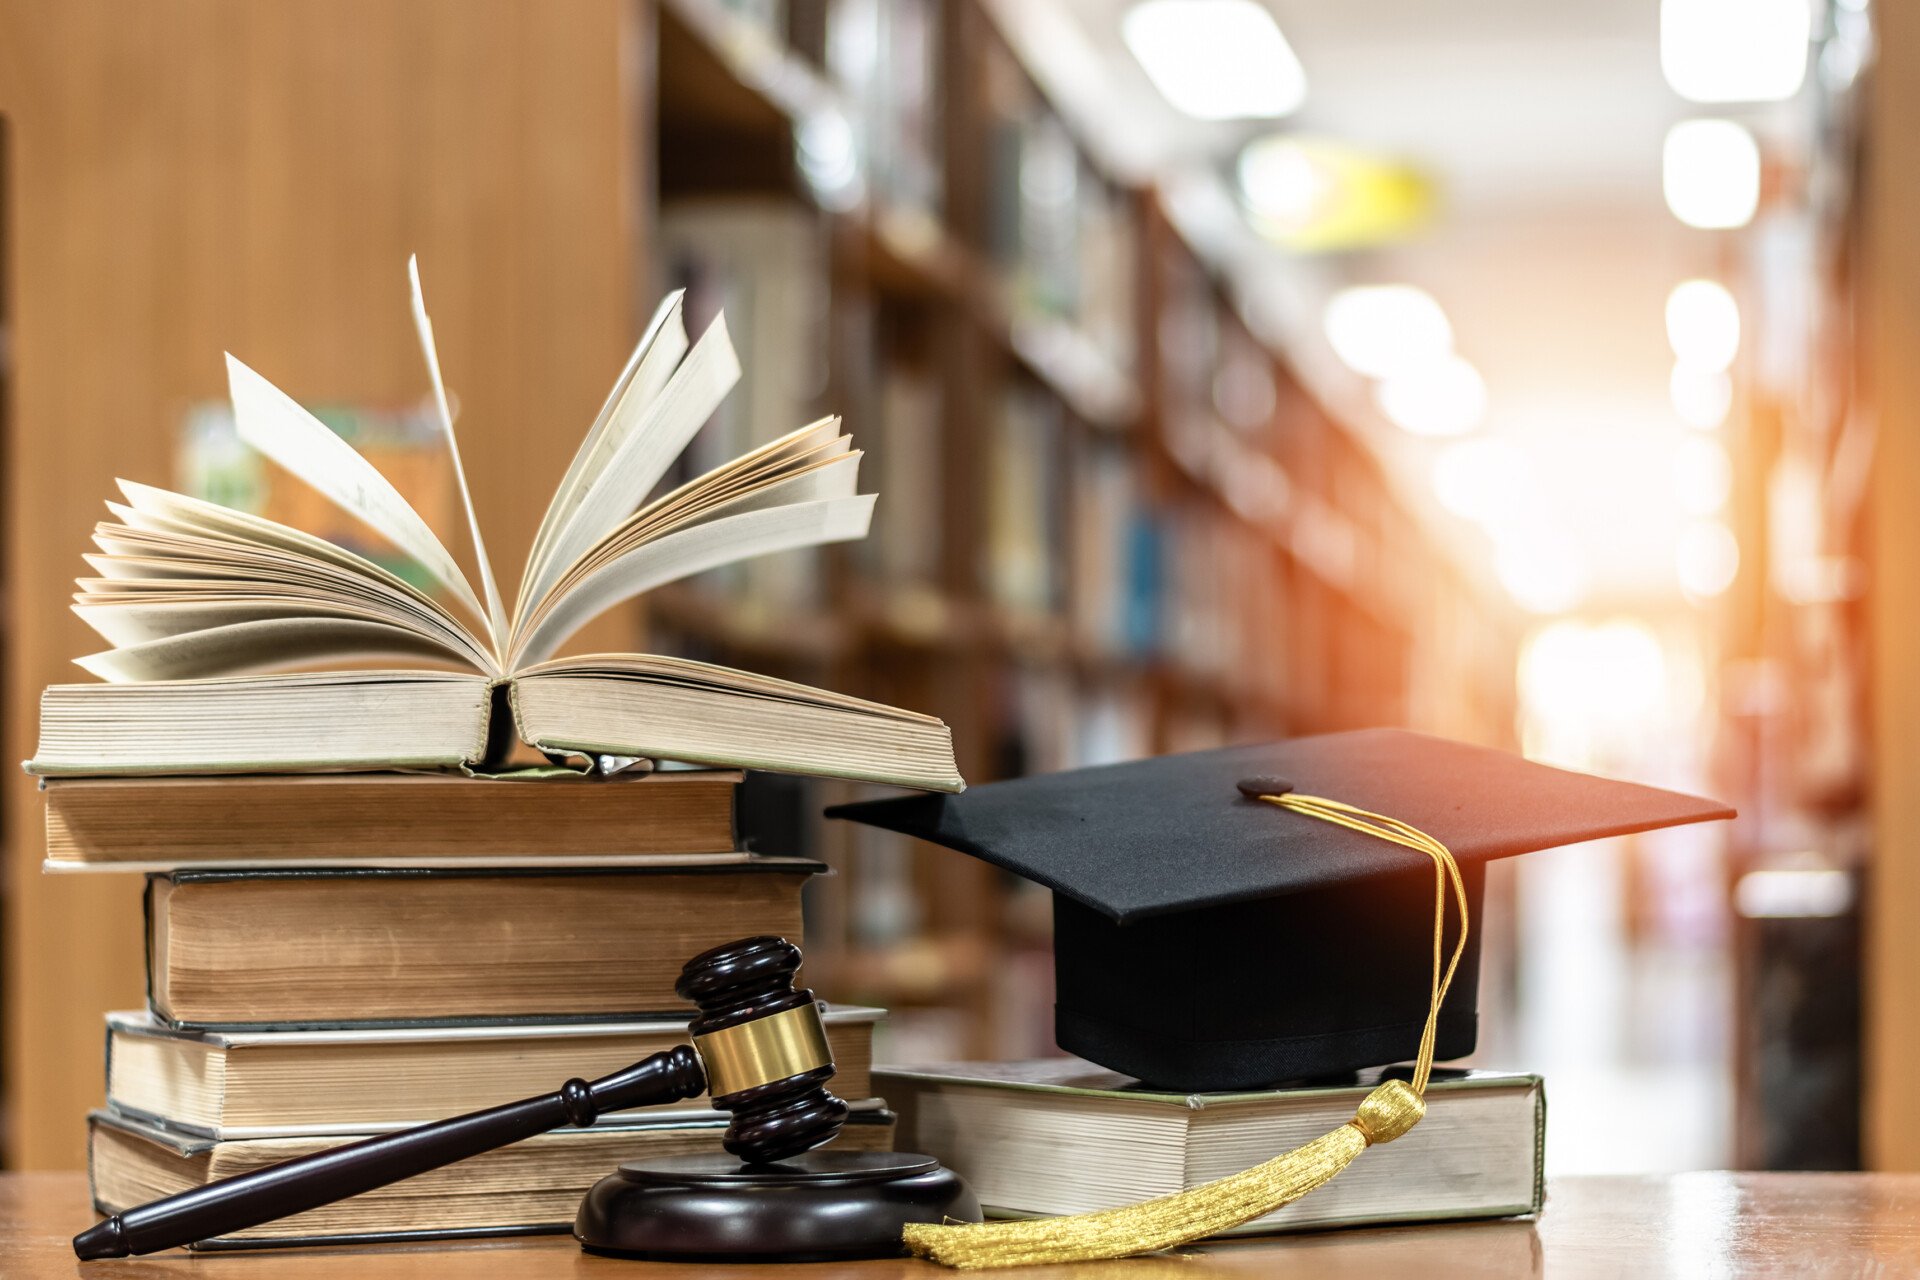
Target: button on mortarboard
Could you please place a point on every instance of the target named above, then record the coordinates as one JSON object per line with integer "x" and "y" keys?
{"x": 1205, "y": 940}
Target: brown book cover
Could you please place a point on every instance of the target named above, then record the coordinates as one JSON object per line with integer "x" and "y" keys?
{"x": 391, "y": 819}
{"x": 382, "y": 946}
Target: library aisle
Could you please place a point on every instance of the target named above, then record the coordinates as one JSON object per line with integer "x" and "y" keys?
{"x": 1528, "y": 375}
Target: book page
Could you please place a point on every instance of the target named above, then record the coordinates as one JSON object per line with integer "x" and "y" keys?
{"x": 269, "y": 420}
{"x": 165, "y": 511}
{"x": 659, "y": 668}
{"x": 811, "y": 446}
{"x": 647, "y": 370}
{"x": 496, "y": 612}
{"x": 261, "y": 645}
{"x": 128, "y": 620}
{"x": 830, "y": 471}
{"x": 156, "y": 570}
{"x": 834, "y": 475}
{"x": 167, "y": 535}
{"x": 704, "y": 546}
{"x": 645, "y": 449}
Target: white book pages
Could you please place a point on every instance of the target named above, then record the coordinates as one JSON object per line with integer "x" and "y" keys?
{"x": 272, "y": 422}
{"x": 496, "y": 612}
{"x": 273, "y": 644}
{"x": 125, "y": 624}
{"x": 831, "y": 472}
{"x": 644, "y": 450}
{"x": 690, "y": 551}
{"x": 253, "y": 724}
{"x": 653, "y": 361}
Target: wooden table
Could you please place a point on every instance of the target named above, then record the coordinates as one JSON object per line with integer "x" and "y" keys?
{"x": 1693, "y": 1225}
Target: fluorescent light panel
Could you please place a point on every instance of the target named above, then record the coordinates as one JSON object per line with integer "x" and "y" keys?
{"x": 1735, "y": 50}
{"x": 1216, "y": 59}
{"x": 1383, "y": 329}
{"x": 1710, "y": 171}
{"x": 1701, "y": 397}
{"x": 1703, "y": 324}
{"x": 1444, "y": 397}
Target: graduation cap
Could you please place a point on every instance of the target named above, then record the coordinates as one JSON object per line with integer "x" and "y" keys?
{"x": 1208, "y": 939}
{"x": 1238, "y": 918}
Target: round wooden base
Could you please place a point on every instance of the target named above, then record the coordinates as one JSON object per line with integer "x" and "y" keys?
{"x": 819, "y": 1206}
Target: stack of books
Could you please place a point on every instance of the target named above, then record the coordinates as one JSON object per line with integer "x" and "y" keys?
{"x": 335, "y": 956}
{"x": 381, "y": 897}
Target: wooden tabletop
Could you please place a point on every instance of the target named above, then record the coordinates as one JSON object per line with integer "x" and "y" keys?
{"x": 1692, "y": 1225}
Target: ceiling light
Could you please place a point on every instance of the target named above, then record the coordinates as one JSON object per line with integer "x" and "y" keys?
{"x": 1701, "y": 397}
{"x": 1216, "y": 59}
{"x": 1383, "y": 329}
{"x": 1284, "y": 183}
{"x": 1319, "y": 195}
{"x": 1444, "y": 397}
{"x": 1702, "y": 475}
{"x": 1710, "y": 171}
{"x": 1703, "y": 324}
{"x": 1735, "y": 50}
{"x": 1706, "y": 558}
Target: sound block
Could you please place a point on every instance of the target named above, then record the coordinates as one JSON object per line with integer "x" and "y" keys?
{"x": 816, "y": 1207}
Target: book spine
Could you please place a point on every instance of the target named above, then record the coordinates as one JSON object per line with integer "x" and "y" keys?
{"x": 146, "y": 950}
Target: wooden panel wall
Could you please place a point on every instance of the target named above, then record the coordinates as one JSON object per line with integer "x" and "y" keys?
{"x": 191, "y": 176}
{"x": 1891, "y": 276}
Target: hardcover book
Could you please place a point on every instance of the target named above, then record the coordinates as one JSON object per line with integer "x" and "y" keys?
{"x": 531, "y": 1187}
{"x": 199, "y": 603}
{"x": 252, "y": 1084}
{"x": 348, "y": 947}
{"x": 1060, "y": 1135}
{"x": 389, "y": 820}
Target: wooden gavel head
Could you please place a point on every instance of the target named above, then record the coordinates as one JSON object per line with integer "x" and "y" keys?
{"x": 764, "y": 1047}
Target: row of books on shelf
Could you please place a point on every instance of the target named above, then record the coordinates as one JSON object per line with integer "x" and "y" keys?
{"x": 1057, "y": 234}
{"x": 1068, "y": 531}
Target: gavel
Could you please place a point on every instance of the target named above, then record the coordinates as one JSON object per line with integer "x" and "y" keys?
{"x": 759, "y": 1049}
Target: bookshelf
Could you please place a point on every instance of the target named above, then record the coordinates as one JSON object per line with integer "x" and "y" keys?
{"x": 1081, "y": 554}
{"x": 1112, "y": 522}
{"x": 187, "y": 178}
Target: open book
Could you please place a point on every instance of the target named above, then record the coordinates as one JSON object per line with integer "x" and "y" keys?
{"x": 198, "y": 600}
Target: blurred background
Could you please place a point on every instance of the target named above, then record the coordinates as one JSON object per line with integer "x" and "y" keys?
{"x": 1535, "y": 375}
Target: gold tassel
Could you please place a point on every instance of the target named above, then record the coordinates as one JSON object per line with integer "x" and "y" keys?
{"x": 1185, "y": 1216}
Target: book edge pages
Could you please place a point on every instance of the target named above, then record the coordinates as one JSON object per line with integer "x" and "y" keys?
{"x": 637, "y": 1120}
{"x": 236, "y": 867}
{"x": 141, "y": 1023}
{"x": 921, "y": 1076}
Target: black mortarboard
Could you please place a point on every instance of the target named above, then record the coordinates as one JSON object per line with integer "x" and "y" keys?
{"x": 1206, "y": 940}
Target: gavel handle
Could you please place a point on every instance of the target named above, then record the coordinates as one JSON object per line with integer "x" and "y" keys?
{"x": 293, "y": 1186}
